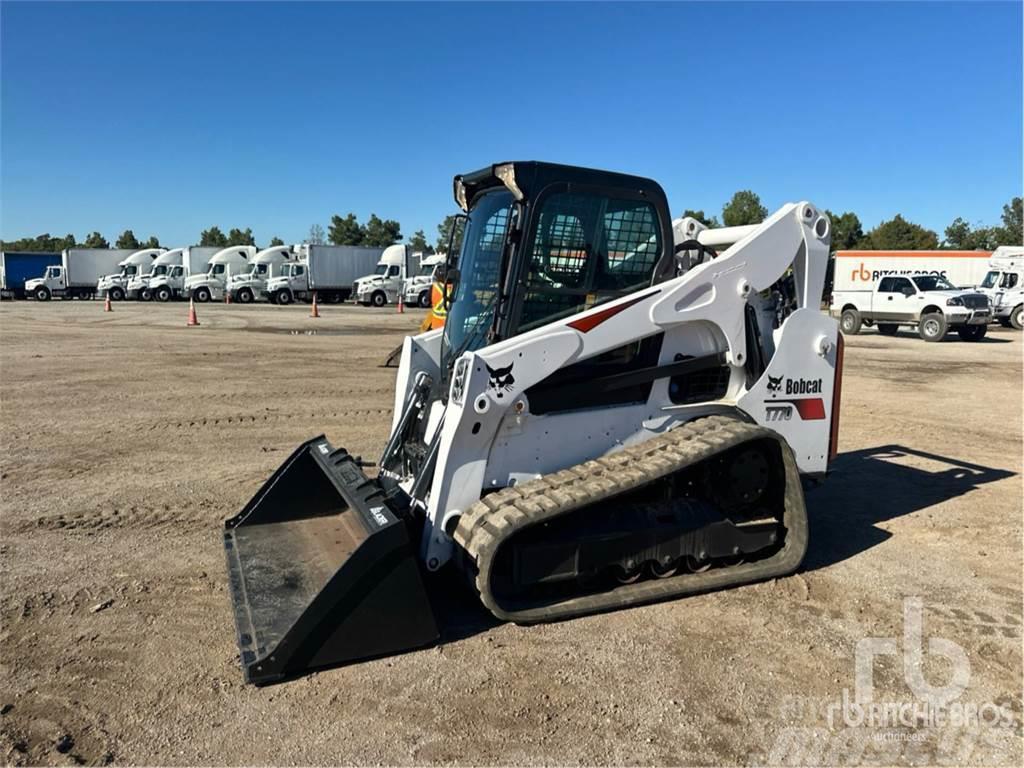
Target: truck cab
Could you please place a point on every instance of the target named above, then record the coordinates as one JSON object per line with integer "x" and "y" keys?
{"x": 139, "y": 286}
{"x": 1004, "y": 286}
{"x": 383, "y": 285}
{"x": 116, "y": 286}
{"x": 417, "y": 286}
{"x": 53, "y": 281}
{"x": 928, "y": 302}
{"x": 210, "y": 285}
{"x": 266, "y": 264}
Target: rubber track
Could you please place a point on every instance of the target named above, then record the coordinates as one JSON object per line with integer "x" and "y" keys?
{"x": 492, "y": 520}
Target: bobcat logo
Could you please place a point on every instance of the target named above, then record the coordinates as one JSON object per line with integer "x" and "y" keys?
{"x": 774, "y": 383}
{"x": 501, "y": 378}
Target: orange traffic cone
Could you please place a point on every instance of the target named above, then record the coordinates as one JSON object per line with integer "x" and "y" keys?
{"x": 315, "y": 311}
{"x": 106, "y": 305}
{"x": 401, "y": 303}
{"x": 192, "y": 319}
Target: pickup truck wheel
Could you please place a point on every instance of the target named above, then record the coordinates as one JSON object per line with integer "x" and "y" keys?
{"x": 202, "y": 295}
{"x": 972, "y": 332}
{"x": 42, "y": 293}
{"x": 933, "y": 327}
{"x": 163, "y": 293}
{"x": 888, "y": 329}
{"x": 245, "y": 296}
{"x": 116, "y": 294}
{"x": 850, "y": 322}
{"x": 424, "y": 300}
{"x": 1017, "y": 317}
{"x": 379, "y": 299}
{"x": 283, "y": 298}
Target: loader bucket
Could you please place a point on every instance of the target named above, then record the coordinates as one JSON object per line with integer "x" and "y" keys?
{"x": 321, "y": 571}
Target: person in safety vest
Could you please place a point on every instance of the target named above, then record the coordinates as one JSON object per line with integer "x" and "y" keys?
{"x": 437, "y": 314}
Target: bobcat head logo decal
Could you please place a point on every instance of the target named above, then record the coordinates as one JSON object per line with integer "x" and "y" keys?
{"x": 774, "y": 383}
{"x": 501, "y": 379}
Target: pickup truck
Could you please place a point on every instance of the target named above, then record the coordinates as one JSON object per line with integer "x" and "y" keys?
{"x": 929, "y": 302}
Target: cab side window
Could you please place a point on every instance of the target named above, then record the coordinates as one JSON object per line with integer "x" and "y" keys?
{"x": 902, "y": 285}
{"x": 393, "y": 271}
{"x": 886, "y": 286}
{"x": 1010, "y": 280}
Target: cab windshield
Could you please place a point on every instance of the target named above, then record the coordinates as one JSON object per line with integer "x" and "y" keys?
{"x": 933, "y": 283}
{"x": 990, "y": 280}
{"x": 382, "y": 269}
{"x": 472, "y": 308}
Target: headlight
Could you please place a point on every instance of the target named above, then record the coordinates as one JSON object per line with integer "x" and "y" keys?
{"x": 459, "y": 376}
{"x": 956, "y": 301}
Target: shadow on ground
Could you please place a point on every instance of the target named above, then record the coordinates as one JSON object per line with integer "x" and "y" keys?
{"x": 870, "y": 486}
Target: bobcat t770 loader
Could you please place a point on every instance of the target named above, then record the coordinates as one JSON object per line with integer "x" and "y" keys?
{"x": 619, "y": 409}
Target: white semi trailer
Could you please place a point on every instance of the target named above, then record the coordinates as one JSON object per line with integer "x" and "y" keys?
{"x": 267, "y": 264}
{"x": 168, "y": 281}
{"x": 233, "y": 260}
{"x": 77, "y": 274}
{"x": 135, "y": 264}
{"x": 328, "y": 270}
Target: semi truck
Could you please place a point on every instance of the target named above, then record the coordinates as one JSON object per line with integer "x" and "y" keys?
{"x": 1004, "y": 285}
{"x": 417, "y": 286}
{"x": 860, "y": 270}
{"x": 327, "y": 270}
{"x": 16, "y": 267}
{"x": 247, "y": 286}
{"x": 77, "y": 274}
{"x": 383, "y": 285}
{"x": 137, "y": 263}
{"x": 211, "y": 284}
{"x": 171, "y": 270}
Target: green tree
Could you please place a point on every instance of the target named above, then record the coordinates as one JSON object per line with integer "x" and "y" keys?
{"x": 381, "y": 232}
{"x": 127, "y": 240}
{"x": 1012, "y": 233}
{"x": 707, "y": 221}
{"x": 275, "y": 241}
{"x": 213, "y": 237}
{"x": 96, "y": 240}
{"x": 418, "y": 242}
{"x": 444, "y": 230}
{"x": 316, "y": 235}
{"x": 153, "y": 242}
{"x": 744, "y": 208}
{"x": 960, "y": 234}
{"x": 847, "y": 231}
{"x": 241, "y": 237}
{"x": 345, "y": 231}
{"x": 43, "y": 242}
{"x": 898, "y": 234}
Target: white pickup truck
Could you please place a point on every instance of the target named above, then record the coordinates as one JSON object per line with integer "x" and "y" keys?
{"x": 929, "y": 302}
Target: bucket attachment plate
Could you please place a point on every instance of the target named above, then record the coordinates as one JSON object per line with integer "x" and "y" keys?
{"x": 322, "y": 571}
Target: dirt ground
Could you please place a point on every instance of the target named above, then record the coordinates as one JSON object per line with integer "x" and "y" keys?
{"x": 127, "y": 438}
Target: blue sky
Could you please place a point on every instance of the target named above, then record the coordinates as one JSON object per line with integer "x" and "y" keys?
{"x": 169, "y": 118}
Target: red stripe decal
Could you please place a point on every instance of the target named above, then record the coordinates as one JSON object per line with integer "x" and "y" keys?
{"x": 810, "y": 408}
{"x": 590, "y": 322}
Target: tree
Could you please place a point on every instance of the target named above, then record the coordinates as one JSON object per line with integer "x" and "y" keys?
{"x": 275, "y": 241}
{"x": 418, "y": 242}
{"x": 96, "y": 240}
{"x": 744, "y": 208}
{"x": 707, "y": 221}
{"x": 345, "y": 231}
{"x": 240, "y": 237}
{"x": 153, "y": 242}
{"x": 444, "y": 230}
{"x": 316, "y": 235}
{"x": 43, "y": 242}
{"x": 213, "y": 237}
{"x": 127, "y": 240}
{"x": 381, "y": 232}
{"x": 898, "y": 234}
{"x": 1012, "y": 233}
{"x": 847, "y": 231}
{"x": 961, "y": 235}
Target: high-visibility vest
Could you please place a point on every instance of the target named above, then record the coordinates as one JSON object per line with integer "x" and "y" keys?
{"x": 435, "y": 317}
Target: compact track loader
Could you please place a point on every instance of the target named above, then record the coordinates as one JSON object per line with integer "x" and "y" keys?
{"x": 619, "y": 409}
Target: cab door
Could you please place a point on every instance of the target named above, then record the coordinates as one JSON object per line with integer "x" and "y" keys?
{"x": 897, "y": 300}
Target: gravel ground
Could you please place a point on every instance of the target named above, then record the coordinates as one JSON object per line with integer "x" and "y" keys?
{"x": 127, "y": 439}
